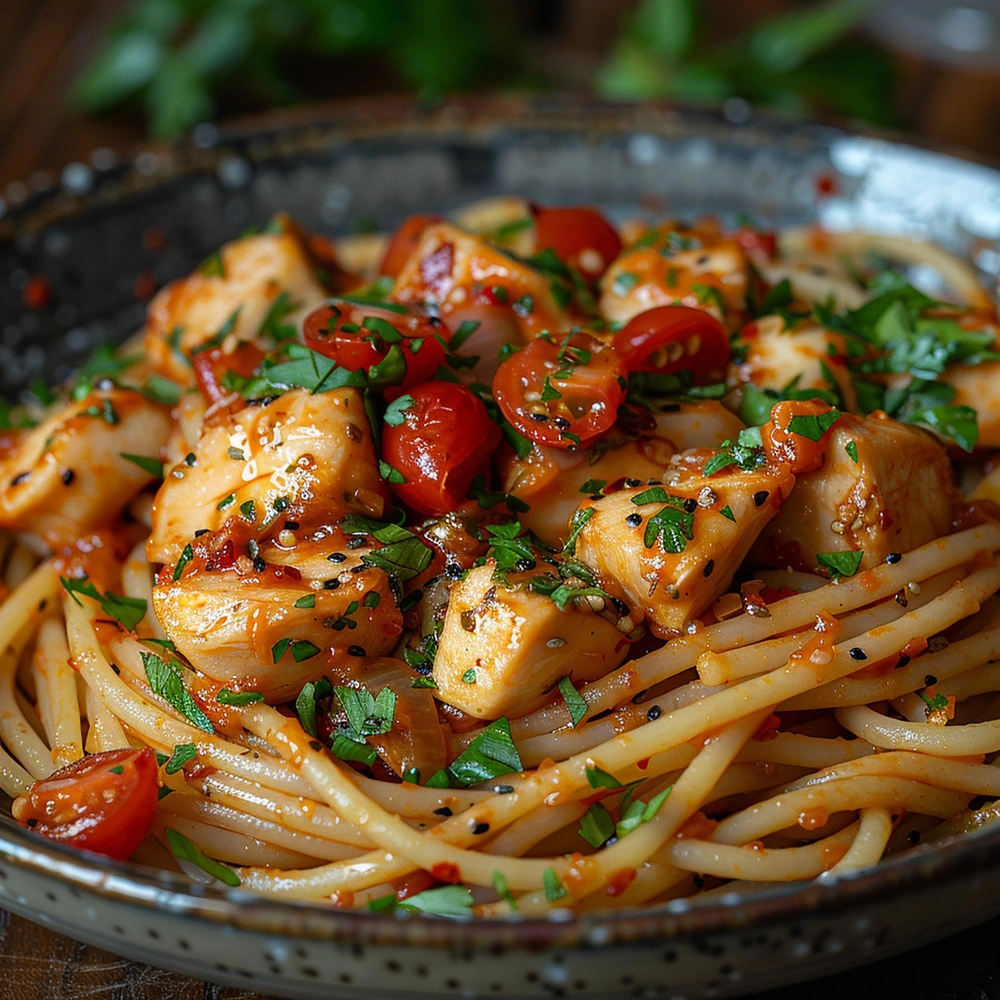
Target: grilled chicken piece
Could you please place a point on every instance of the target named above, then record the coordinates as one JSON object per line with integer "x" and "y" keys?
{"x": 899, "y": 494}
{"x": 707, "y": 526}
{"x": 551, "y": 480}
{"x": 808, "y": 355}
{"x": 305, "y": 453}
{"x": 453, "y": 269}
{"x": 674, "y": 264}
{"x": 976, "y": 386}
{"x": 67, "y": 476}
{"x": 247, "y": 275}
{"x": 229, "y": 622}
{"x": 705, "y": 424}
{"x": 503, "y": 648}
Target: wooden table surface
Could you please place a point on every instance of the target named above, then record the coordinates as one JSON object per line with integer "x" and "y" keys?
{"x": 37, "y": 964}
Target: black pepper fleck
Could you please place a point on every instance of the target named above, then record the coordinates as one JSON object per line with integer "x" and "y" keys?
{"x": 68, "y": 476}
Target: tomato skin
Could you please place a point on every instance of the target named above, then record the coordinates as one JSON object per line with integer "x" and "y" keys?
{"x": 403, "y": 242}
{"x": 211, "y": 366}
{"x": 588, "y": 398}
{"x": 570, "y": 232}
{"x": 361, "y": 348}
{"x": 783, "y": 445}
{"x": 445, "y": 440}
{"x": 758, "y": 242}
{"x": 87, "y": 806}
{"x": 670, "y": 339}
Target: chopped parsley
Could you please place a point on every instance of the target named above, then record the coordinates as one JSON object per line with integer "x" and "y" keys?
{"x": 148, "y": 464}
{"x": 165, "y": 680}
{"x": 127, "y": 610}
{"x": 575, "y": 702}
{"x": 840, "y": 564}
{"x": 184, "y": 849}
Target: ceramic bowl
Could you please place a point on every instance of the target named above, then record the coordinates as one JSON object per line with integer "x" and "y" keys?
{"x": 110, "y": 232}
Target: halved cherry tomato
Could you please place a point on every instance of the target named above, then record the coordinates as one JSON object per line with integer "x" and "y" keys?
{"x": 104, "y": 803}
{"x": 561, "y": 394}
{"x": 804, "y": 452}
{"x": 763, "y": 242}
{"x": 403, "y": 242}
{"x": 446, "y": 439}
{"x": 212, "y": 366}
{"x": 671, "y": 339}
{"x": 580, "y": 237}
{"x": 361, "y": 336}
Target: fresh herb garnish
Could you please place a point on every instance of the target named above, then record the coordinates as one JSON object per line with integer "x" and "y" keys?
{"x": 165, "y": 680}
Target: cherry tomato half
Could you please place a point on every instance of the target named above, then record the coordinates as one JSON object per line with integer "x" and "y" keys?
{"x": 403, "y": 242}
{"x": 580, "y": 237}
{"x": 446, "y": 439}
{"x": 672, "y": 339}
{"x": 803, "y": 449}
{"x": 359, "y": 337}
{"x": 561, "y": 394}
{"x": 104, "y": 803}
{"x": 212, "y": 366}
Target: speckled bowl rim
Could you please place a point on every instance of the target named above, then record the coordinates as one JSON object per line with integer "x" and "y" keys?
{"x": 311, "y": 129}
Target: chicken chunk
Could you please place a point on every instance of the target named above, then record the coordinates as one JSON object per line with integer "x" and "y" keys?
{"x": 671, "y": 550}
{"x": 68, "y": 475}
{"x": 808, "y": 355}
{"x": 504, "y": 647}
{"x": 976, "y": 386}
{"x": 704, "y": 424}
{"x": 898, "y": 494}
{"x": 675, "y": 264}
{"x": 453, "y": 269}
{"x": 232, "y": 624}
{"x": 301, "y": 453}
{"x": 233, "y": 292}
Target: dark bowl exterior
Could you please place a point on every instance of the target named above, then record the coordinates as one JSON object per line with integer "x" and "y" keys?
{"x": 110, "y": 231}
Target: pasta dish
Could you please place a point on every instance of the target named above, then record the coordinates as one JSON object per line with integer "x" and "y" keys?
{"x": 514, "y": 562}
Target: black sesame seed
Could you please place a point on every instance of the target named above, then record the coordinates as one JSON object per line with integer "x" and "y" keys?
{"x": 562, "y": 423}
{"x": 337, "y": 557}
{"x": 443, "y": 811}
{"x": 453, "y": 571}
{"x": 331, "y": 584}
{"x": 316, "y": 745}
{"x": 930, "y": 680}
{"x": 903, "y": 661}
{"x": 356, "y": 651}
{"x": 503, "y": 789}
{"x": 620, "y": 606}
{"x": 523, "y": 565}
{"x": 68, "y": 476}
{"x": 200, "y": 532}
{"x": 259, "y": 564}
{"x": 540, "y": 417}
{"x": 32, "y": 822}
{"x": 631, "y": 482}
{"x": 189, "y": 458}
{"x": 481, "y": 828}
{"x": 292, "y": 525}
{"x": 893, "y": 557}
{"x": 709, "y": 568}
{"x": 654, "y": 713}
{"x": 760, "y": 497}
{"x": 435, "y": 320}
{"x": 360, "y": 568}
{"x": 690, "y": 505}
{"x": 633, "y": 520}
{"x": 857, "y": 653}
{"x": 913, "y": 836}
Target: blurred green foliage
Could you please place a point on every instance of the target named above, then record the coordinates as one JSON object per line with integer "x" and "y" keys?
{"x": 177, "y": 58}
{"x": 181, "y": 60}
{"x": 800, "y": 61}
